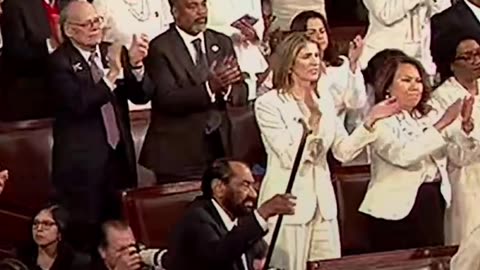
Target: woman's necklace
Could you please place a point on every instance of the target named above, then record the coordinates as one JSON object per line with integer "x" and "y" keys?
{"x": 141, "y": 15}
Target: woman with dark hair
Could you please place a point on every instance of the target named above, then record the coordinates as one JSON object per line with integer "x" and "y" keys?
{"x": 409, "y": 186}
{"x": 460, "y": 73}
{"x": 342, "y": 74}
{"x": 47, "y": 250}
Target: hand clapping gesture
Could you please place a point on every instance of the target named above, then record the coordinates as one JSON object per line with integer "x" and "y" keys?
{"x": 452, "y": 112}
{"x": 382, "y": 110}
{"x": 466, "y": 113}
{"x": 3, "y": 179}
{"x": 355, "y": 50}
{"x": 138, "y": 50}
{"x": 223, "y": 74}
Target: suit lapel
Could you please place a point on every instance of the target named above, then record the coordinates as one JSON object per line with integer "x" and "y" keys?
{"x": 212, "y": 47}
{"x": 181, "y": 54}
{"x": 467, "y": 16}
{"x": 80, "y": 67}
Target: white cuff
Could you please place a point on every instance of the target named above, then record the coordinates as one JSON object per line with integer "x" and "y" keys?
{"x": 109, "y": 83}
{"x": 227, "y": 94}
{"x": 50, "y": 46}
{"x": 261, "y": 221}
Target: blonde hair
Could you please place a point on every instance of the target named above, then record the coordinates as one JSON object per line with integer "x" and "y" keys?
{"x": 284, "y": 59}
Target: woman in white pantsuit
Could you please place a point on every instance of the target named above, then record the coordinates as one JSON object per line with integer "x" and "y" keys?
{"x": 312, "y": 233}
{"x": 461, "y": 69}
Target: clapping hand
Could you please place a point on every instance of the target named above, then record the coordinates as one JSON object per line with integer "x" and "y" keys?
{"x": 138, "y": 50}
{"x": 466, "y": 113}
{"x": 452, "y": 112}
{"x": 355, "y": 50}
{"x": 224, "y": 73}
{"x": 382, "y": 110}
{"x": 3, "y": 179}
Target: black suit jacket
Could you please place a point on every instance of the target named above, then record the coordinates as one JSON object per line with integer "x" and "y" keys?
{"x": 201, "y": 241}
{"x": 80, "y": 149}
{"x": 459, "y": 18}
{"x": 176, "y": 143}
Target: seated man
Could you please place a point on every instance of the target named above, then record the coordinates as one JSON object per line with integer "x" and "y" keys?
{"x": 119, "y": 251}
{"x": 221, "y": 228}
{"x": 468, "y": 255}
{"x": 3, "y": 179}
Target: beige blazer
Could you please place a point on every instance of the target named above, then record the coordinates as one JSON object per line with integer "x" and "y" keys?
{"x": 401, "y": 24}
{"x": 277, "y": 116}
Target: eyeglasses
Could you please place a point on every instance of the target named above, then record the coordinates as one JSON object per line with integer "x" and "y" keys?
{"x": 46, "y": 224}
{"x": 469, "y": 56}
{"x": 90, "y": 23}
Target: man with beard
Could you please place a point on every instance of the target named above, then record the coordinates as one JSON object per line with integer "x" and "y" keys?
{"x": 221, "y": 228}
{"x": 196, "y": 77}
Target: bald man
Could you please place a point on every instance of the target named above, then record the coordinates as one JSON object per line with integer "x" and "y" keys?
{"x": 93, "y": 154}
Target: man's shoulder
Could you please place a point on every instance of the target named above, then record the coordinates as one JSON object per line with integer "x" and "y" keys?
{"x": 449, "y": 13}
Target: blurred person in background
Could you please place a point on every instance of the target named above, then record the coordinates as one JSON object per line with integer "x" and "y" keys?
{"x": 47, "y": 249}
{"x": 3, "y": 179}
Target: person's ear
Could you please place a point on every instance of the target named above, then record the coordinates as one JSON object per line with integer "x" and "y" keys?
{"x": 218, "y": 188}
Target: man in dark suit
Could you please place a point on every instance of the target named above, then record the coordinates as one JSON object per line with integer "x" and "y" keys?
{"x": 30, "y": 32}
{"x": 220, "y": 229}
{"x": 93, "y": 155}
{"x": 196, "y": 79}
{"x": 463, "y": 16}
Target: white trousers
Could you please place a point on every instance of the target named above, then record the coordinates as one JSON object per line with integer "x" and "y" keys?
{"x": 298, "y": 244}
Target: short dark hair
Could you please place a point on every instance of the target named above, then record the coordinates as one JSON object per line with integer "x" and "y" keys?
{"x": 103, "y": 230}
{"x": 299, "y": 24}
{"x": 260, "y": 250}
{"x": 220, "y": 169}
{"x": 387, "y": 74}
{"x": 377, "y": 62}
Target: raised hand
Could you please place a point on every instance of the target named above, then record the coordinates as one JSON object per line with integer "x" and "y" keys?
{"x": 466, "y": 113}
{"x": 3, "y": 179}
{"x": 128, "y": 259}
{"x": 224, "y": 73}
{"x": 452, "y": 112}
{"x": 382, "y": 110}
{"x": 355, "y": 50}
{"x": 280, "y": 204}
{"x": 138, "y": 50}
{"x": 114, "y": 57}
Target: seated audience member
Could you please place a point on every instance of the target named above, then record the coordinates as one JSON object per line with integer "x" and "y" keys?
{"x": 220, "y": 228}
{"x": 93, "y": 155}
{"x": 463, "y": 16}
{"x": 285, "y": 10}
{"x": 196, "y": 76}
{"x": 460, "y": 71}
{"x": 3, "y": 179}
{"x": 119, "y": 250}
{"x": 12, "y": 264}
{"x": 314, "y": 226}
{"x": 403, "y": 25}
{"x": 123, "y": 19}
{"x": 30, "y": 31}
{"x": 409, "y": 187}
{"x": 468, "y": 254}
{"x": 347, "y": 86}
{"x": 246, "y": 35}
{"x": 48, "y": 249}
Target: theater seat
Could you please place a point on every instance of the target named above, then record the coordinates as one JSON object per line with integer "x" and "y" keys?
{"x": 153, "y": 211}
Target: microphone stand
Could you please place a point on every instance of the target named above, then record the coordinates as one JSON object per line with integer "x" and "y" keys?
{"x": 293, "y": 174}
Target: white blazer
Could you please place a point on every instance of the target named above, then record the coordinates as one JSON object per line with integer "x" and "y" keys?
{"x": 277, "y": 115}
{"x": 401, "y": 24}
{"x": 463, "y": 216}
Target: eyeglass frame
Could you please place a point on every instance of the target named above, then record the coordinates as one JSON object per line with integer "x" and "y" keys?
{"x": 469, "y": 56}
{"x": 36, "y": 224}
{"x": 89, "y": 24}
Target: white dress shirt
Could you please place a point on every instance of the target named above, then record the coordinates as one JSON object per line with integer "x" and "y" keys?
{"x": 229, "y": 224}
{"x": 188, "y": 40}
{"x": 250, "y": 58}
{"x": 403, "y": 25}
{"x": 474, "y": 8}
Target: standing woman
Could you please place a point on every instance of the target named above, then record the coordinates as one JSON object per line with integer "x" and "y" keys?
{"x": 311, "y": 234}
{"x": 409, "y": 187}
{"x": 347, "y": 86}
{"x": 461, "y": 72}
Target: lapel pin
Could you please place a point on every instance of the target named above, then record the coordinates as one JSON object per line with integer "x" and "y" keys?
{"x": 77, "y": 67}
{"x": 215, "y": 48}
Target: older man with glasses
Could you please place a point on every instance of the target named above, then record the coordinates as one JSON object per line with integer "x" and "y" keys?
{"x": 93, "y": 154}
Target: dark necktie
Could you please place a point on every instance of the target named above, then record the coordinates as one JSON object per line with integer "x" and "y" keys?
{"x": 108, "y": 112}
{"x": 200, "y": 58}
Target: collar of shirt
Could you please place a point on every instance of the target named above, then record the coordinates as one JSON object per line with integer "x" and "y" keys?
{"x": 474, "y": 8}
{"x": 188, "y": 39}
{"x": 86, "y": 54}
{"x": 227, "y": 221}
